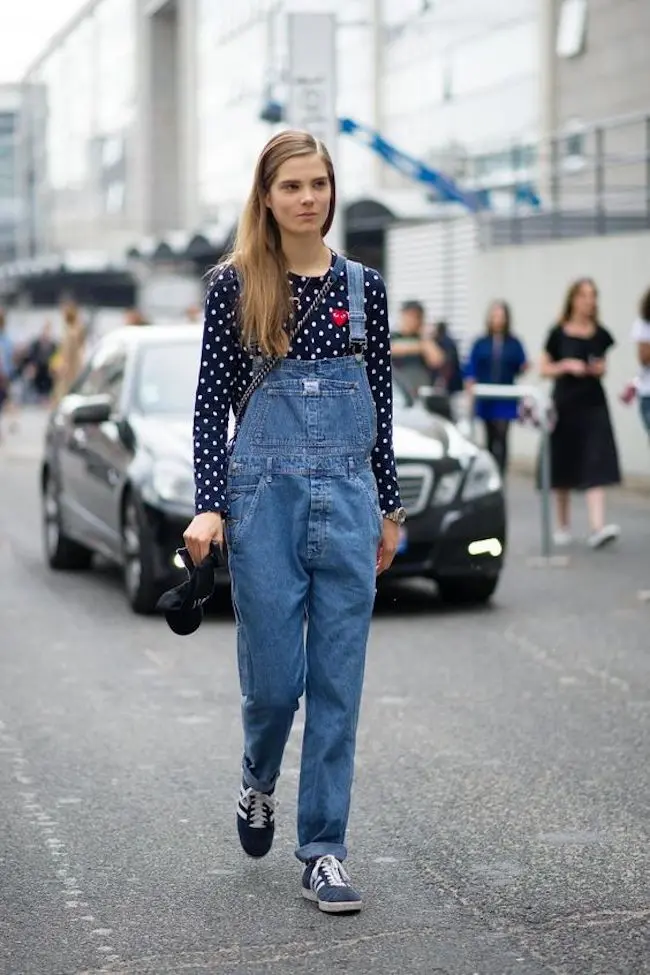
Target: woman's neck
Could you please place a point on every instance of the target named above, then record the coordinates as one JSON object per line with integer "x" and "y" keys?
{"x": 579, "y": 321}
{"x": 309, "y": 257}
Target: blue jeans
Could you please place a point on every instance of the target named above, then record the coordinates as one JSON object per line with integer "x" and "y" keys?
{"x": 302, "y": 531}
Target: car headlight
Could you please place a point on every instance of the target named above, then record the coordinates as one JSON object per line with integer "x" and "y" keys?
{"x": 483, "y": 477}
{"x": 446, "y": 488}
{"x": 173, "y": 482}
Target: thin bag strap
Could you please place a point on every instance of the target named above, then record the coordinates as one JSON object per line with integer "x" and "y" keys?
{"x": 269, "y": 364}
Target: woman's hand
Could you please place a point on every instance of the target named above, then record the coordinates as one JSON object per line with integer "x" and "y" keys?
{"x": 202, "y": 531}
{"x": 387, "y": 546}
{"x": 596, "y": 368}
{"x": 574, "y": 367}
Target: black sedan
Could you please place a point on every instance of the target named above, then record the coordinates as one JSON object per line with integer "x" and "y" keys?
{"x": 117, "y": 476}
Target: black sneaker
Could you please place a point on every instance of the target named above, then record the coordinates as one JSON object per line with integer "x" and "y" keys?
{"x": 326, "y": 882}
{"x": 255, "y": 821}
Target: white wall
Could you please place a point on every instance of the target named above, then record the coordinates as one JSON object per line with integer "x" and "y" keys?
{"x": 534, "y": 279}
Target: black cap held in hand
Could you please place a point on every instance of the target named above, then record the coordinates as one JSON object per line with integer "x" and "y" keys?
{"x": 183, "y": 605}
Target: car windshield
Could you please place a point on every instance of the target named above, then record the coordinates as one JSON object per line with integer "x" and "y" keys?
{"x": 166, "y": 378}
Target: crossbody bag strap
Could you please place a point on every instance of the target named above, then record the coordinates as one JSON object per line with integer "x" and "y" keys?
{"x": 271, "y": 362}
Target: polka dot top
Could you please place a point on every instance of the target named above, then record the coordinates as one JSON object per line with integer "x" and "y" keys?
{"x": 226, "y": 370}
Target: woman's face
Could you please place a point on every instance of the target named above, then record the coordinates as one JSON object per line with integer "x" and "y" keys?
{"x": 497, "y": 320}
{"x": 584, "y": 301}
{"x": 300, "y": 195}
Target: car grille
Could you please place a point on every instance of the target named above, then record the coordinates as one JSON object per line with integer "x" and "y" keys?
{"x": 415, "y": 485}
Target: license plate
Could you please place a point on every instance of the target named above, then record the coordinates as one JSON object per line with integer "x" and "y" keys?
{"x": 402, "y": 542}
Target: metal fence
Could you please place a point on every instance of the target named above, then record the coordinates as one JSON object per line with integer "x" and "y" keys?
{"x": 591, "y": 180}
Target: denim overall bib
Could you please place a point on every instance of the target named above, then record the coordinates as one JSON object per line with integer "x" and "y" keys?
{"x": 302, "y": 531}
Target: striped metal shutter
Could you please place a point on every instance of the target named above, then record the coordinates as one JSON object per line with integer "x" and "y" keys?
{"x": 431, "y": 263}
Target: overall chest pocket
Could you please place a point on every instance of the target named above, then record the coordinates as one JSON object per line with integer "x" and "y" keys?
{"x": 314, "y": 412}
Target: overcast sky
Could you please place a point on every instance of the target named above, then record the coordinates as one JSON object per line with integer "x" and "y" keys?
{"x": 25, "y": 28}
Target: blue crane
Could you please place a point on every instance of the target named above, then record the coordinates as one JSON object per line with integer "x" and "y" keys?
{"x": 444, "y": 187}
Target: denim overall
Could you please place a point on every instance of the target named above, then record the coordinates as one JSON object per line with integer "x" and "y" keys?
{"x": 302, "y": 530}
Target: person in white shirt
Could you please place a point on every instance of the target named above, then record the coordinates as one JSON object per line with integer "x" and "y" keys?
{"x": 641, "y": 336}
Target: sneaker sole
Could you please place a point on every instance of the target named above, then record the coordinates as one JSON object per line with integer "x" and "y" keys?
{"x": 333, "y": 907}
{"x": 602, "y": 542}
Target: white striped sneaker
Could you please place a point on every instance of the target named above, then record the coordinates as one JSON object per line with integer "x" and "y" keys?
{"x": 326, "y": 882}
{"x": 255, "y": 821}
{"x": 607, "y": 534}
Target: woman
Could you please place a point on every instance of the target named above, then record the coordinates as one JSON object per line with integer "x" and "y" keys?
{"x": 583, "y": 450}
{"x": 307, "y": 492}
{"x": 69, "y": 359}
{"x": 497, "y": 357}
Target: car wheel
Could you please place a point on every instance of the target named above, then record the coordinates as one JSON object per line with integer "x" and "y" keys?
{"x": 465, "y": 591}
{"x": 137, "y": 550}
{"x": 61, "y": 552}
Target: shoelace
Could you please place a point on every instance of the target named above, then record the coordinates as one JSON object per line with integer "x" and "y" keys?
{"x": 260, "y": 808}
{"x": 332, "y": 870}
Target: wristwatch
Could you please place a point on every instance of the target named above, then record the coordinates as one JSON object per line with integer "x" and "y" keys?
{"x": 398, "y": 516}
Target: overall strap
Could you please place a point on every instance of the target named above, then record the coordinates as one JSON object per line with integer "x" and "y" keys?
{"x": 356, "y": 304}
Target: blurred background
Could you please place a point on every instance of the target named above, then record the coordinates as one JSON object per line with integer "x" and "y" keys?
{"x": 482, "y": 150}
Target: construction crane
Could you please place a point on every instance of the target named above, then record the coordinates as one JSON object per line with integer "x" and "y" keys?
{"x": 445, "y": 189}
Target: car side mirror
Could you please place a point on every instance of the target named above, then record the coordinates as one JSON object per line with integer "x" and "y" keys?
{"x": 94, "y": 409}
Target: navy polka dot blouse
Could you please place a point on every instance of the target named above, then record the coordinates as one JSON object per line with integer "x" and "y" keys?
{"x": 226, "y": 370}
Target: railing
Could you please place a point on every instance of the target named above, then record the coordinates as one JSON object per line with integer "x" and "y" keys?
{"x": 590, "y": 180}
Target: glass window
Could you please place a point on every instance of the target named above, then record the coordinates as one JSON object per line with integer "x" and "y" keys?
{"x": 572, "y": 28}
{"x": 166, "y": 378}
{"x": 104, "y": 373}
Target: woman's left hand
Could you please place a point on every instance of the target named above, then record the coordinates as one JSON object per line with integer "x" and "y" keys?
{"x": 596, "y": 368}
{"x": 387, "y": 546}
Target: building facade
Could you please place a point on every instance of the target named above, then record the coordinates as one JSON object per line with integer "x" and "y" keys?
{"x": 11, "y": 108}
{"x": 148, "y": 114}
{"x": 595, "y": 106}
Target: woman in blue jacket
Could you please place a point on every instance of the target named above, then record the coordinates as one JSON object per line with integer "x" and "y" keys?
{"x": 497, "y": 357}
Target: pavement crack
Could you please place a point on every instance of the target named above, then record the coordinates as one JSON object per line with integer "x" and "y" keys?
{"x": 254, "y": 955}
{"x": 580, "y": 919}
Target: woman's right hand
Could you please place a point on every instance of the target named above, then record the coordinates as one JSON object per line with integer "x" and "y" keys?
{"x": 574, "y": 367}
{"x": 202, "y": 531}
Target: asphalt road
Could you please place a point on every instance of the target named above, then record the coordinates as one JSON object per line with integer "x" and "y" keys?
{"x": 501, "y": 820}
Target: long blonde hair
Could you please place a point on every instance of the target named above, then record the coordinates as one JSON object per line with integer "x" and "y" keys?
{"x": 265, "y": 303}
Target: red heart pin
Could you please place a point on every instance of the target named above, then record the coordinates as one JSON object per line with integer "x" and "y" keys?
{"x": 340, "y": 317}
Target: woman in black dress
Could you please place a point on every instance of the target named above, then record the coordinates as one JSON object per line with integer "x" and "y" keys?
{"x": 583, "y": 450}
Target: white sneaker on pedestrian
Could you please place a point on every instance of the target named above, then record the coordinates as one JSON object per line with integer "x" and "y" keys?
{"x": 562, "y": 537}
{"x": 604, "y": 536}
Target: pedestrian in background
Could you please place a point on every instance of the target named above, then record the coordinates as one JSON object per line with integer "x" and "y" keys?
{"x": 7, "y": 366}
{"x": 416, "y": 354}
{"x": 36, "y": 365}
{"x": 68, "y": 360}
{"x": 308, "y": 493}
{"x": 641, "y": 337}
{"x": 496, "y": 358}
{"x": 584, "y": 456}
{"x": 450, "y": 373}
